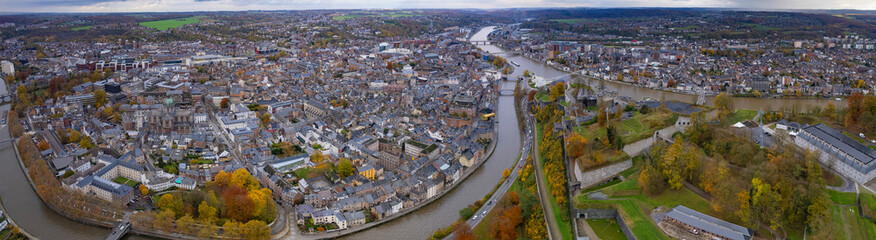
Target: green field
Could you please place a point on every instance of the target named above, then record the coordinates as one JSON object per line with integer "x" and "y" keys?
{"x": 847, "y": 224}
{"x": 369, "y": 14}
{"x": 572, "y": 20}
{"x": 637, "y": 220}
{"x": 123, "y": 180}
{"x": 842, "y": 198}
{"x": 82, "y": 28}
{"x": 642, "y": 126}
{"x": 740, "y": 116}
{"x": 172, "y": 23}
{"x": 607, "y": 229}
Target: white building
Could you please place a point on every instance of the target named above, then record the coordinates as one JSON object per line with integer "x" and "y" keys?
{"x": 8, "y": 67}
{"x": 839, "y": 152}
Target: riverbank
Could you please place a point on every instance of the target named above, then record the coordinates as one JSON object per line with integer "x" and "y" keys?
{"x": 12, "y": 222}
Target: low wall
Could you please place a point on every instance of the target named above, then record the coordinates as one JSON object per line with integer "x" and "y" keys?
{"x": 593, "y": 213}
{"x": 593, "y": 177}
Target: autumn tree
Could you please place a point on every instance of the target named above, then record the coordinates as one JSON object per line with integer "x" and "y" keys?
{"x": 256, "y": 230}
{"x": 830, "y": 111}
{"x": 186, "y": 224}
{"x": 724, "y": 104}
{"x": 164, "y": 220}
{"x": 100, "y": 97}
{"x": 575, "y": 144}
{"x": 506, "y": 173}
{"x": 462, "y": 231}
{"x": 602, "y": 117}
{"x": 557, "y": 91}
{"x": 535, "y": 226}
{"x": 316, "y": 157}
{"x": 167, "y": 203}
{"x": 233, "y": 230}
{"x": 223, "y": 103}
{"x": 206, "y": 213}
{"x": 208, "y": 231}
{"x": 855, "y": 109}
{"x": 345, "y": 167}
{"x": 143, "y": 190}
{"x": 74, "y": 136}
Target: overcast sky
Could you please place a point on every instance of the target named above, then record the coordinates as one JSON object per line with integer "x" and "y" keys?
{"x": 238, "y": 5}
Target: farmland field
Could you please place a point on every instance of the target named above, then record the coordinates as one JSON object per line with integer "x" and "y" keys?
{"x": 171, "y": 23}
{"x": 82, "y": 28}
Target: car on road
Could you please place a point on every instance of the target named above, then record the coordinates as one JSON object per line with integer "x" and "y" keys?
{"x": 490, "y": 202}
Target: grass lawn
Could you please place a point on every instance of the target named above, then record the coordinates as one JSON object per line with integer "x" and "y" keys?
{"x": 847, "y": 224}
{"x": 638, "y": 221}
{"x": 123, "y": 180}
{"x": 832, "y": 179}
{"x": 591, "y": 131}
{"x": 171, "y": 23}
{"x": 637, "y": 164}
{"x": 572, "y": 20}
{"x": 642, "y": 126}
{"x": 842, "y": 198}
{"x": 607, "y": 229}
{"x": 740, "y": 116}
{"x": 82, "y": 28}
{"x": 543, "y": 96}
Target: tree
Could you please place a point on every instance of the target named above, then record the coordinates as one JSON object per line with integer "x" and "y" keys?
{"x": 74, "y": 136}
{"x": 163, "y": 221}
{"x": 186, "y": 224}
{"x": 506, "y": 173}
{"x": 557, "y": 90}
{"x": 575, "y": 144}
{"x": 316, "y": 157}
{"x": 206, "y": 213}
{"x": 602, "y": 117}
{"x": 535, "y": 227}
{"x": 167, "y": 202}
{"x": 43, "y": 145}
{"x": 462, "y": 231}
{"x": 724, "y": 104}
{"x": 830, "y": 111}
{"x": 620, "y": 77}
{"x": 208, "y": 231}
{"x": 265, "y": 118}
{"x": 223, "y": 103}
{"x": 256, "y": 230}
{"x": 233, "y": 230}
{"x": 345, "y": 167}
{"x": 856, "y": 108}
{"x": 85, "y": 142}
{"x": 100, "y": 97}
{"x": 143, "y": 190}
{"x": 527, "y": 73}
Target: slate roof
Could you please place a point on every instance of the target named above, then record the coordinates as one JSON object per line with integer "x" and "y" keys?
{"x": 844, "y": 143}
{"x": 709, "y": 223}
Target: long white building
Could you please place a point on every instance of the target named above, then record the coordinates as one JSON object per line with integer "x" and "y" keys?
{"x": 845, "y": 155}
